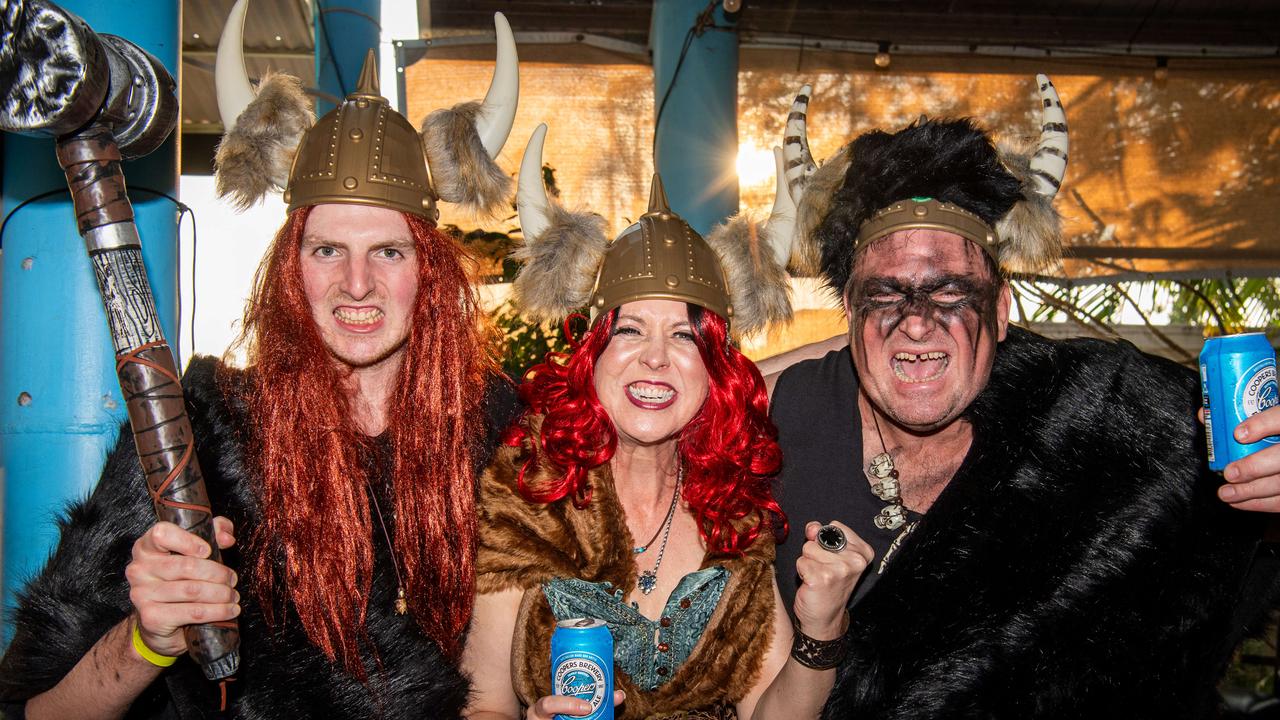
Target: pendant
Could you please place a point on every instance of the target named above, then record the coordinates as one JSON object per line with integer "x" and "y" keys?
{"x": 648, "y": 581}
{"x": 887, "y": 489}
{"x": 881, "y": 466}
{"x": 402, "y": 605}
{"x": 639, "y": 549}
{"x": 890, "y": 517}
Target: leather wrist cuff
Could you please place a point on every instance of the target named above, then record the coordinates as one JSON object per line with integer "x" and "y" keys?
{"x": 819, "y": 654}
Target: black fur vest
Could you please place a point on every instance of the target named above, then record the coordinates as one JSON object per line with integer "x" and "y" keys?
{"x": 1078, "y": 565}
{"x": 82, "y": 592}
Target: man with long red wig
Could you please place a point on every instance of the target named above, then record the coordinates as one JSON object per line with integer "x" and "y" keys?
{"x": 343, "y": 458}
{"x": 636, "y": 489}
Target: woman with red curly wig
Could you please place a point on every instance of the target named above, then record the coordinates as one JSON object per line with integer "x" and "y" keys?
{"x": 637, "y": 490}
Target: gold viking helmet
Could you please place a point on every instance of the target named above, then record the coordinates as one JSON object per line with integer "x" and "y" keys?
{"x": 738, "y": 271}
{"x": 660, "y": 257}
{"x": 363, "y": 152}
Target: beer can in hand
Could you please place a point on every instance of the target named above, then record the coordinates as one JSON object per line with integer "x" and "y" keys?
{"x": 582, "y": 665}
{"x": 1237, "y": 379}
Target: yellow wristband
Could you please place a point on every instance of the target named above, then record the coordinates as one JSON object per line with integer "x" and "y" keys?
{"x": 147, "y": 653}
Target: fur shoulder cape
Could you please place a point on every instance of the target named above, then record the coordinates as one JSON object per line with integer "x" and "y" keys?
{"x": 82, "y": 592}
{"x": 524, "y": 544}
{"x": 1078, "y": 565}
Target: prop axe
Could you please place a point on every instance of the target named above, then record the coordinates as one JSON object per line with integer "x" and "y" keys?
{"x": 103, "y": 99}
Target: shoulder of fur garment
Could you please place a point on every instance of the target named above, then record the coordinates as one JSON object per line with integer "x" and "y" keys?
{"x": 524, "y": 544}
{"x": 1079, "y": 565}
{"x": 82, "y": 593}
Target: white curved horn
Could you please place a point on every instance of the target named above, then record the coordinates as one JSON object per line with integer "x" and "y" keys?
{"x": 231, "y": 79}
{"x": 531, "y": 195}
{"x": 795, "y": 144}
{"x": 780, "y": 230}
{"x": 1049, "y": 163}
{"x": 498, "y": 112}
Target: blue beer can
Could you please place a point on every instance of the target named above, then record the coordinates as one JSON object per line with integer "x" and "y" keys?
{"x": 1237, "y": 379}
{"x": 582, "y": 665}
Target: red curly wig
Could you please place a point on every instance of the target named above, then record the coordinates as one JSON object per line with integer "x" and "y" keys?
{"x": 729, "y": 448}
{"x": 314, "y": 545}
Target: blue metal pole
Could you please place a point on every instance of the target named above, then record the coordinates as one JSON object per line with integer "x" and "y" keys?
{"x": 60, "y": 404}
{"x": 697, "y": 133}
{"x": 344, "y": 30}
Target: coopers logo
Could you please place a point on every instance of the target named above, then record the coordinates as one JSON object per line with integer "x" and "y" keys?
{"x": 581, "y": 675}
{"x": 1258, "y": 391}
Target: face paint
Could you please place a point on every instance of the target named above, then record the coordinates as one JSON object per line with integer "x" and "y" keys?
{"x": 944, "y": 300}
{"x": 925, "y": 313}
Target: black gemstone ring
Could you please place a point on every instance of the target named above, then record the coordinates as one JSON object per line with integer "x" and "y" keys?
{"x": 831, "y": 538}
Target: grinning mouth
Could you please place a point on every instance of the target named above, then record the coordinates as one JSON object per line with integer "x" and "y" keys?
{"x": 922, "y": 367}
{"x": 650, "y": 393}
{"x": 361, "y": 316}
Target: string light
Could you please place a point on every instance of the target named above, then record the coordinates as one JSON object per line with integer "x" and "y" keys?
{"x": 882, "y": 56}
{"x": 1162, "y": 69}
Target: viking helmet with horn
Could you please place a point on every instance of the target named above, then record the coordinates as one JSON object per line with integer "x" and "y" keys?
{"x": 362, "y": 151}
{"x": 737, "y": 272}
{"x": 940, "y": 174}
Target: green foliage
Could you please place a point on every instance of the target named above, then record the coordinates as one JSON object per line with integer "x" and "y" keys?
{"x": 1228, "y": 305}
{"x": 525, "y": 344}
{"x": 1221, "y": 306}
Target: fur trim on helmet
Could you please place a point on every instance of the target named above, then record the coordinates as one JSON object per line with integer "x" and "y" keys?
{"x": 1031, "y": 233}
{"x": 560, "y": 264}
{"x": 758, "y": 289}
{"x": 949, "y": 160}
{"x": 815, "y": 201}
{"x": 461, "y": 168}
{"x": 255, "y": 157}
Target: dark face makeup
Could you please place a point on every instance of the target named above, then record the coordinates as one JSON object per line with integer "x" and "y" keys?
{"x": 925, "y": 314}
{"x": 946, "y": 299}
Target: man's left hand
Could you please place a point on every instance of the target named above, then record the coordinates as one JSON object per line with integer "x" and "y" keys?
{"x": 1253, "y": 482}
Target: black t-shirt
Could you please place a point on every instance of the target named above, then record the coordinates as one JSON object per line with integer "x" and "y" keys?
{"x": 815, "y": 406}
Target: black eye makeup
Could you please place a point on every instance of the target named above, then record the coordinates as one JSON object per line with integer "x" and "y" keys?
{"x": 946, "y": 300}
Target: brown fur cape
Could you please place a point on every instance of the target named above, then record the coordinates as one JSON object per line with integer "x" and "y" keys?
{"x": 524, "y": 544}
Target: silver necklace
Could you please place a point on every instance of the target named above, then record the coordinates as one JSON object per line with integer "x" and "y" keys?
{"x": 649, "y": 578}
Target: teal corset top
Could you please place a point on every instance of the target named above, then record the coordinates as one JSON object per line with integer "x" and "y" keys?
{"x": 649, "y": 651}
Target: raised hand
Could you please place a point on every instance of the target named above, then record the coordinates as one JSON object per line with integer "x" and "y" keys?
{"x": 828, "y": 574}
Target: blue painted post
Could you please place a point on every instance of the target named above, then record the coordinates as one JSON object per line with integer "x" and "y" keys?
{"x": 344, "y": 30}
{"x": 60, "y": 404}
{"x": 697, "y": 134}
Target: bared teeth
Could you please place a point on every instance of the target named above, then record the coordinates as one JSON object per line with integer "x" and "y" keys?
{"x": 650, "y": 393}
{"x": 941, "y": 358}
{"x": 364, "y": 316}
{"x": 913, "y": 357}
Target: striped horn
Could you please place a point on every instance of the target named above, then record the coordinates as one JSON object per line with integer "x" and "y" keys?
{"x": 1049, "y": 163}
{"x": 781, "y": 228}
{"x": 498, "y": 111}
{"x": 795, "y": 145}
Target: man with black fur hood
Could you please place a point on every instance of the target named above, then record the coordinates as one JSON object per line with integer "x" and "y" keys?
{"x": 1048, "y": 540}
{"x": 344, "y": 455}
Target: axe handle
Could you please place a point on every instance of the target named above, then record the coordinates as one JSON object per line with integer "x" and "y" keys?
{"x": 148, "y": 377}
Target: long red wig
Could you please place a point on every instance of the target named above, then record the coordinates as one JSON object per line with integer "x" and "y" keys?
{"x": 314, "y": 544}
{"x": 729, "y": 448}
